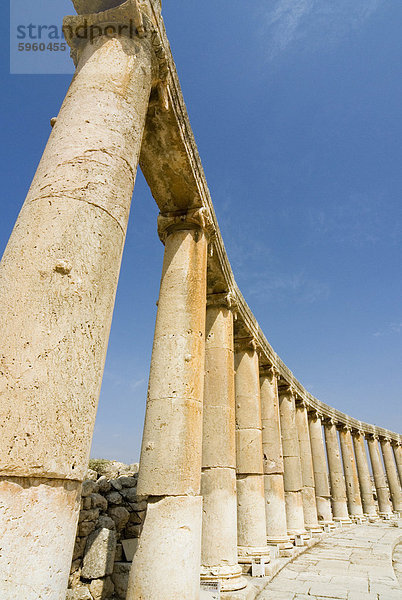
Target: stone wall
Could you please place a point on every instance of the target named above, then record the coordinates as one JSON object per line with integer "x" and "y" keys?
{"x": 110, "y": 523}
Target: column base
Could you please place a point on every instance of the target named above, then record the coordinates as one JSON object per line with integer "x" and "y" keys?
{"x": 293, "y": 533}
{"x": 342, "y": 521}
{"x": 386, "y": 516}
{"x": 248, "y": 554}
{"x": 230, "y": 577}
{"x": 358, "y": 519}
{"x": 314, "y": 529}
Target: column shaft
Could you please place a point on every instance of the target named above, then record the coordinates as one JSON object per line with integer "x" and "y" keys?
{"x": 392, "y": 475}
{"x": 218, "y": 479}
{"x": 322, "y": 491}
{"x": 308, "y": 491}
{"x": 292, "y": 465}
{"x": 250, "y": 479}
{"x": 170, "y": 466}
{"x": 273, "y": 460}
{"x": 336, "y": 477}
{"x": 384, "y": 504}
{"x": 398, "y": 460}
{"x": 351, "y": 477}
{"x": 58, "y": 280}
{"x": 363, "y": 472}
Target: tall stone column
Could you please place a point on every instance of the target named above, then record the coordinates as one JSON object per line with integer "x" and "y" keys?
{"x": 273, "y": 460}
{"x": 252, "y": 537}
{"x": 392, "y": 474}
{"x": 167, "y": 561}
{"x": 351, "y": 478}
{"x": 384, "y": 504}
{"x": 292, "y": 465}
{"x": 322, "y": 491}
{"x": 308, "y": 491}
{"x": 336, "y": 477}
{"x": 218, "y": 479}
{"x": 58, "y": 280}
{"x": 363, "y": 472}
{"x": 398, "y": 459}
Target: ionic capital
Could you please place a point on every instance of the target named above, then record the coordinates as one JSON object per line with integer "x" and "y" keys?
{"x": 129, "y": 20}
{"x": 246, "y": 344}
{"x": 198, "y": 218}
{"x": 270, "y": 371}
{"x": 224, "y": 300}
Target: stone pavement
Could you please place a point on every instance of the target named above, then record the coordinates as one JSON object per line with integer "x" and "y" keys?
{"x": 353, "y": 564}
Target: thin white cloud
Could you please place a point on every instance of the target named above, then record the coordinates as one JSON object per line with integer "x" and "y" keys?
{"x": 315, "y": 22}
{"x": 389, "y": 329}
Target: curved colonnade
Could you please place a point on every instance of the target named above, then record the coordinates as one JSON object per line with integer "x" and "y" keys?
{"x": 237, "y": 457}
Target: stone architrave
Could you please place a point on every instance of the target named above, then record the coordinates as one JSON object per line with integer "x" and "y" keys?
{"x": 218, "y": 479}
{"x": 336, "y": 476}
{"x": 292, "y": 464}
{"x": 322, "y": 491}
{"x": 351, "y": 477}
{"x": 58, "y": 280}
{"x": 306, "y": 460}
{"x": 273, "y": 460}
{"x": 392, "y": 474}
{"x": 252, "y": 539}
{"x": 167, "y": 561}
{"x": 384, "y": 503}
{"x": 363, "y": 472}
{"x": 398, "y": 459}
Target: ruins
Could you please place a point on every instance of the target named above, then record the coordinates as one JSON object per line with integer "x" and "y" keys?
{"x": 239, "y": 461}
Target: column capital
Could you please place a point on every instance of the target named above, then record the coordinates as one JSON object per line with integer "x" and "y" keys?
{"x": 343, "y": 427}
{"x": 372, "y": 436}
{"x": 245, "y": 344}
{"x": 198, "y": 218}
{"x": 270, "y": 371}
{"x": 222, "y": 300}
{"x": 128, "y": 19}
{"x": 328, "y": 421}
{"x": 288, "y": 390}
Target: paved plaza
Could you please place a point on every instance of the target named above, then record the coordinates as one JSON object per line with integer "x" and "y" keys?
{"x": 354, "y": 564}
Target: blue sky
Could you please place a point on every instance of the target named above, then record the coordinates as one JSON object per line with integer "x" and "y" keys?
{"x": 296, "y": 109}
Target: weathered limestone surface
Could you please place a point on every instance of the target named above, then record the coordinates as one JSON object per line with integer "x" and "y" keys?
{"x": 350, "y": 471}
{"x": 398, "y": 459}
{"x": 363, "y": 472}
{"x": 322, "y": 491}
{"x": 62, "y": 263}
{"x": 167, "y": 561}
{"x": 384, "y": 503}
{"x": 392, "y": 475}
{"x": 250, "y": 478}
{"x": 308, "y": 491}
{"x": 336, "y": 476}
{"x": 272, "y": 459}
{"x": 218, "y": 479}
{"x": 292, "y": 465}
{"x": 173, "y": 418}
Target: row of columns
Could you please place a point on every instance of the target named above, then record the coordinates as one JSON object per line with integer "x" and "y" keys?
{"x": 230, "y": 462}
{"x": 264, "y": 474}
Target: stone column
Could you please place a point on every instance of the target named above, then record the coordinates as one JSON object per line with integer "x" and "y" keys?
{"x": 336, "y": 477}
{"x": 218, "y": 479}
{"x": 167, "y": 561}
{"x": 363, "y": 472}
{"x": 252, "y": 537}
{"x": 322, "y": 491}
{"x": 398, "y": 459}
{"x": 351, "y": 478}
{"x": 273, "y": 460}
{"x": 58, "y": 280}
{"x": 384, "y": 503}
{"x": 392, "y": 474}
{"x": 292, "y": 465}
{"x": 308, "y": 491}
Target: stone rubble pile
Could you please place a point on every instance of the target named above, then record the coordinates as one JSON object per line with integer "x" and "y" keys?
{"x": 110, "y": 523}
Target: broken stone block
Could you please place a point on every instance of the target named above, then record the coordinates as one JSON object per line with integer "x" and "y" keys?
{"x": 99, "y": 554}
